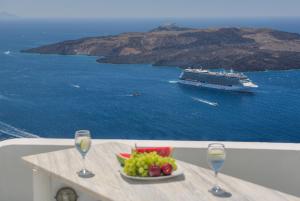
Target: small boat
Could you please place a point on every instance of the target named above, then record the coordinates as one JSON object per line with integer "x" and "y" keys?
{"x": 136, "y": 94}
{"x": 7, "y": 52}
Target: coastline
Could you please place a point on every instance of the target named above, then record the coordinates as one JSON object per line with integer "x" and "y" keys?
{"x": 240, "y": 49}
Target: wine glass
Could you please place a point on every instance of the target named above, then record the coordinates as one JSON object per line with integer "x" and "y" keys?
{"x": 216, "y": 156}
{"x": 83, "y": 144}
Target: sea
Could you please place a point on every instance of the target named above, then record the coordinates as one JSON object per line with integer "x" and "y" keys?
{"x": 52, "y": 96}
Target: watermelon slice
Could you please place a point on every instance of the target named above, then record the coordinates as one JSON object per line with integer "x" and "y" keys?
{"x": 122, "y": 157}
{"x": 162, "y": 151}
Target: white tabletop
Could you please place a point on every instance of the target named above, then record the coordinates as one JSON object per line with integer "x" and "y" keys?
{"x": 108, "y": 184}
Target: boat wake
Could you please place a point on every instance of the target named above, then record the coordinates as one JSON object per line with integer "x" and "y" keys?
{"x": 173, "y": 81}
{"x": 205, "y": 101}
{"x": 75, "y": 86}
{"x": 6, "y": 129}
{"x": 7, "y": 52}
{"x": 133, "y": 94}
{"x": 3, "y": 97}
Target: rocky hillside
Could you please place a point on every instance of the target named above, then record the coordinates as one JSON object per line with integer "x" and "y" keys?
{"x": 243, "y": 49}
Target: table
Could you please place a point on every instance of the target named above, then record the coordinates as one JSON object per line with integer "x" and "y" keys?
{"x": 107, "y": 184}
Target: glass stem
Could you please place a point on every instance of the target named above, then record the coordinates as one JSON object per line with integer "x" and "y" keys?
{"x": 83, "y": 162}
{"x": 216, "y": 179}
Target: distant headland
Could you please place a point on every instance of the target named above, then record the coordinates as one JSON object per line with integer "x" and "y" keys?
{"x": 240, "y": 49}
{"x": 7, "y": 16}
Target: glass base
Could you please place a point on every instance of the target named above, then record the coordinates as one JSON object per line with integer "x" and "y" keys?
{"x": 84, "y": 173}
{"x": 219, "y": 192}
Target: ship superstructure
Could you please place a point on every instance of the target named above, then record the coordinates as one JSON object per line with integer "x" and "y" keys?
{"x": 217, "y": 80}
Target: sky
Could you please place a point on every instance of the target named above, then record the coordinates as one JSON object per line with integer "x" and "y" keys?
{"x": 150, "y": 8}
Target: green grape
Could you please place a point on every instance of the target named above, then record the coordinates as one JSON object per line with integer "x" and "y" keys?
{"x": 145, "y": 174}
{"x": 138, "y": 164}
{"x": 141, "y": 171}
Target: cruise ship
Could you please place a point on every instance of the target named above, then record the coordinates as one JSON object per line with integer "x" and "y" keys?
{"x": 217, "y": 80}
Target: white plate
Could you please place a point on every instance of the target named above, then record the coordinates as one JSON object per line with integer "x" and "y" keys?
{"x": 176, "y": 173}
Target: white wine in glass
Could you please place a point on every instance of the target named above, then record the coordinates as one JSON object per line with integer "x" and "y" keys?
{"x": 83, "y": 144}
{"x": 216, "y": 156}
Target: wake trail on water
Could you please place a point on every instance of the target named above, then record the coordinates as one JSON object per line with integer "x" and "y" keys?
{"x": 3, "y": 97}
{"x": 7, "y": 52}
{"x": 205, "y": 101}
{"x": 15, "y": 132}
{"x": 172, "y": 81}
{"x": 75, "y": 86}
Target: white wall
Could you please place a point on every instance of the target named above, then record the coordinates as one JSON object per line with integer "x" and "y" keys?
{"x": 269, "y": 164}
{"x": 15, "y": 177}
{"x": 277, "y": 169}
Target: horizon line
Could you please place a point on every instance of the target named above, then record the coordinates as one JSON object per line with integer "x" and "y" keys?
{"x": 148, "y": 17}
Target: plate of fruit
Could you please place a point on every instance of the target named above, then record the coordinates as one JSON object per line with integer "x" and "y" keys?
{"x": 149, "y": 163}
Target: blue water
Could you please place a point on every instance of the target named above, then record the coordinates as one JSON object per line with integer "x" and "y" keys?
{"x": 52, "y": 95}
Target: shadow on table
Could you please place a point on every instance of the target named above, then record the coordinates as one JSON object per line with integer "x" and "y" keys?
{"x": 221, "y": 193}
{"x": 145, "y": 182}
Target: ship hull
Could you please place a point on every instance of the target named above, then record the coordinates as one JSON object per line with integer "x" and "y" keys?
{"x": 239, "y": 88}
